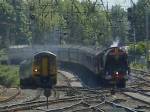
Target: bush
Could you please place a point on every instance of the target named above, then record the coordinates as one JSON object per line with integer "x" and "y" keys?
{"x": 140, "y": 49}
{"x": 138, "y": 66}
{"x": 3, "y": 55}
{"x": 9, "y": 75}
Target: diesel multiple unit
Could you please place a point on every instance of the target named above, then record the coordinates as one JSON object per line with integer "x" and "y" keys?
{"x": 40, "y": 72}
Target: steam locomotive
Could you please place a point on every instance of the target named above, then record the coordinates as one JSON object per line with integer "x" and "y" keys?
{"x": 113, "y": 65}
{"x": 110, "y": 64}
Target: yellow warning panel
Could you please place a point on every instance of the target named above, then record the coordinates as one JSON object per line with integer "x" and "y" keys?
{"x": 116, "y": 51}
{"x": 45, "y": 66}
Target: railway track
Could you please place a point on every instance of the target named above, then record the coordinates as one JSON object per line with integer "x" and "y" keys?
{"x": 99, "y": 102}
{"x": 84, "y": 104}
{"x": 139, "y": 96}
{"x": 71, "y": 79}
{"x": 36, "y": 97}
{"x": 35, "y": 104}
{"x": 142, "y": 75}
{"x": 30, "y": 100}
{"x": 130, "y": 101}
{"x": 8, "y": 96}
{"x": 139, "y": 79}
{"x": 91, "y": 100}
{"x": 2, "y": 90}
{"x": 71, "y": 82}
{"x": 83, "y": 99}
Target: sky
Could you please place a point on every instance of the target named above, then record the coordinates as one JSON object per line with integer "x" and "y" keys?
{"x": 123, "y": 3}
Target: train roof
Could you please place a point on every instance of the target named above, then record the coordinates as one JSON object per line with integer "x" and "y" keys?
{"x": 115, "y": 47}
{"x": 45, "y": 52}
{"x": 89, "y": 49}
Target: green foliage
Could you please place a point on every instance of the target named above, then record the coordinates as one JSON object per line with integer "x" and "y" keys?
{"x": 141, "y": 48}
{"x": 119, "y": 23}
{"x": 139, "y": 19}
{"x": 14, "y": 28}
{"x": 85, "y": 22}
{"x": 6, "y": 20}
{"x": 138, "y": 66}
{"x": 9, "y": 75}
{"x": 138, "y": 49}
{"x": 3, "y": 54}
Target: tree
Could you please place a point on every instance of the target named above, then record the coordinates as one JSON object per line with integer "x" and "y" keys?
{"x": 86, "y": 22}
{"x": 119, "y": 24}
{"x": 138, "y": 21}
{"x": 138, "y": 50}
{"x": 33, "y": 21}
{"x": 22, "y": 31}
{"x": 14, "y": 28}
{"x": 6, "y": 22}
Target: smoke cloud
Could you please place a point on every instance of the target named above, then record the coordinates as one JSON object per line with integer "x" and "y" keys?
{"x": 115, "y": 43}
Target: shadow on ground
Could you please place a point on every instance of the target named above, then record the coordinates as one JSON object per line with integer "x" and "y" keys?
{"x": 87, "y": 77}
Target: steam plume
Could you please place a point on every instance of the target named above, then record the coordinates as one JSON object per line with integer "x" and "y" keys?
{"x": 115, "y": 43}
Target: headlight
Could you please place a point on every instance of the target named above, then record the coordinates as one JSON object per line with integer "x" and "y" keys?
{"x": 36, "y": 70}
{"x": 117, "y": 73}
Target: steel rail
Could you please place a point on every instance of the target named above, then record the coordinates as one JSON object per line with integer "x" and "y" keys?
{"x": 37, "y": 96}
{"x": 11, "y": 97}
{"x": 137, "y": 98}
{"x": 120, "y": 106}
